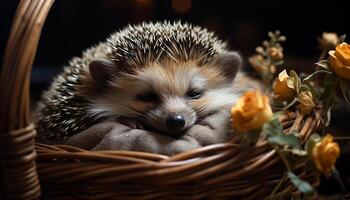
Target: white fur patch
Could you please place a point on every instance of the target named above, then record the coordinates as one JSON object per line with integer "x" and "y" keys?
{"x": 222, "y": 97}
{"x": 98, "y": 110}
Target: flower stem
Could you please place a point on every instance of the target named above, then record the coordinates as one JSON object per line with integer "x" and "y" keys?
{"x": 323, "y": 55}
{"x": 285, "y": 161}
{"x": 278, "y": 185}
{"x": 342, "y": 138}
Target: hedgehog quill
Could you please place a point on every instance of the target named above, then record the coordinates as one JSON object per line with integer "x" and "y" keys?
{"x": 164, "y": 77}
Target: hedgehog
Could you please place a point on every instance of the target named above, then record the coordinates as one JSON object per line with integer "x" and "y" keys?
{"x": 161, "y": 76}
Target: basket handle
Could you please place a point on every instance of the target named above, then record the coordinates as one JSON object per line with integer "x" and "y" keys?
{"x": 17, "y": 133}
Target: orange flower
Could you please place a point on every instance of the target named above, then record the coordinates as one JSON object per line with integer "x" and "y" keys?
{"x": 325, "y": 153}
{"x": 251, "y": 111}
{"x": 284, "y": 89}
{"x": 340, "y": 60}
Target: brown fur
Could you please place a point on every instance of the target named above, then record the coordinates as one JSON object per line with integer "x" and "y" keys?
{"x": 166, "y": 55}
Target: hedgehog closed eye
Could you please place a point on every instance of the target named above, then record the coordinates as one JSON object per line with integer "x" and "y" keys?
{"x": 147, "y": 97}
{"x": 194, "y": 94}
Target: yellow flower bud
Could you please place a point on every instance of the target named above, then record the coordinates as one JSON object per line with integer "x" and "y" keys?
{"x": 325, "y": 153}
{"x": 284, "y": 89}
{"x": 276, "y": 53}
{"x": 259, "y": 63}
{"x": 259, "y": 49}
{"x": 340, "y": 60}
{"x": 250, "y": 112}
{"x": 306, "y": 102}
{"x": 329, "y": 40}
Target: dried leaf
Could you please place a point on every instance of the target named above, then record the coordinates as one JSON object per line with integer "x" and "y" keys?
{"x": 296, "y": 80}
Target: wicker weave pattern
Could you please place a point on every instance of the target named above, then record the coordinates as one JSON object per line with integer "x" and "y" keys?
{"x": 19, "y": 170}
{"x": 222, "y": 171}
{"x": 219, "y": 171}
{"x": 17, "y": 134}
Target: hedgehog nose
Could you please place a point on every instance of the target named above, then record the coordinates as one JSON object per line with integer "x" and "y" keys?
{"x": 175, "y": 122}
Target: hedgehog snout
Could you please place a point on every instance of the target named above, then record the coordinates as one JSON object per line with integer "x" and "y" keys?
{"x": 173, "y": 117}
{"x": 175, "y": 121}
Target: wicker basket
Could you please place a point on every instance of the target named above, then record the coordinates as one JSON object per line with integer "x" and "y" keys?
{"x": 222, "y": 171}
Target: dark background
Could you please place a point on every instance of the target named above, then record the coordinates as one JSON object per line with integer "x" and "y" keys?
{"x": 73, "y": 25}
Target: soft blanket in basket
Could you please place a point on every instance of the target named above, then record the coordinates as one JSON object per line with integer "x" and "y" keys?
{"x": 115, "y": 136}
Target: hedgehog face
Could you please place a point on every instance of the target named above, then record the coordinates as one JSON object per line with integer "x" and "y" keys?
{"x": 166, "y": 75}
{"x": 168, "y": 96}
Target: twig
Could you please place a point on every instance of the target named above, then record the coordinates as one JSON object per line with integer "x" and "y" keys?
{"x": 278, "y": 185}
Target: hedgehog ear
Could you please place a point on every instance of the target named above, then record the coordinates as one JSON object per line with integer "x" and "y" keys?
{"x": 101, "y": 70}
{"x": 229, "y": 62}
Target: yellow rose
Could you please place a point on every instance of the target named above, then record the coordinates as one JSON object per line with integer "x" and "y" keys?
{"x": 325, "y": 154}
{"x": 340, "y": 60}
{"x": 306, "y": 101}
{"x": 284, "y": 89}
{"x": 251, "y": 111}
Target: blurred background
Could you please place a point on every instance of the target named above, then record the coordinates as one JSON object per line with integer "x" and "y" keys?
{"x": 75, "y": 25}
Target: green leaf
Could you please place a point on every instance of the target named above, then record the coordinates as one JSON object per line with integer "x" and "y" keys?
{"x": 329, "y": 85}
{"x": 289, "y": 140}
{"x": 324, "y": 64}
{"x": 330, "y": 80}
{"x": 304, "y": 87}
{"x": 296, "y": 80}
{"x": 329, "y": 113}
{"x": 273, "y": 127}
{"x": 301, "y": 185}
{"x": 345, "y": 89}
{"x": 312, "y": 76}
{"x": 294, "y": 132}
{"x": 341, "y": 39}
{"x": 278, "y": 63}
{"x": 313, "y": 90}
{"x": 299, "y": 152}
